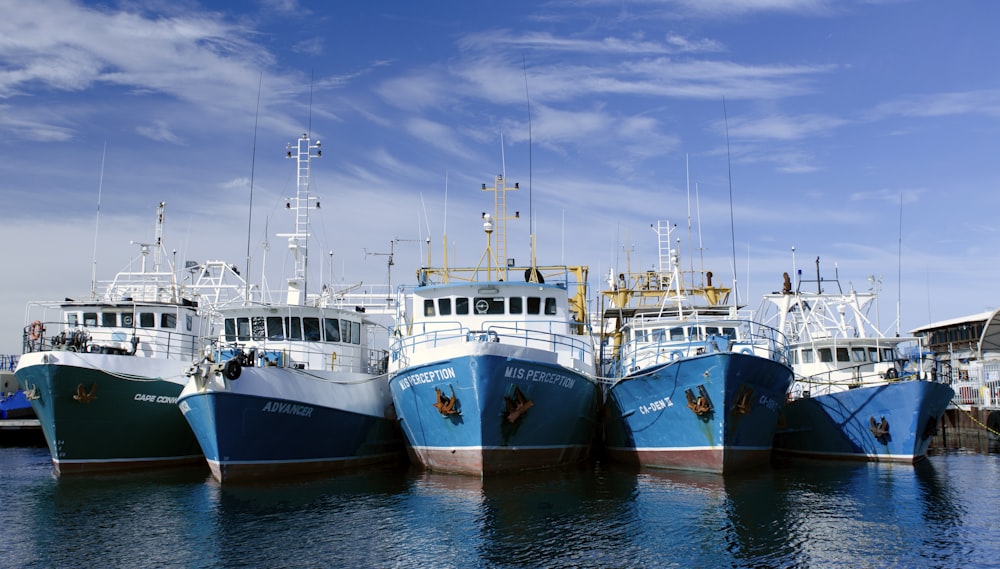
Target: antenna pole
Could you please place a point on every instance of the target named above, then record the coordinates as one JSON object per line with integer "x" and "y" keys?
{"x": 253, "y": 168}
{"x": 97, "y": 228}
{"x": 732, "y": 223}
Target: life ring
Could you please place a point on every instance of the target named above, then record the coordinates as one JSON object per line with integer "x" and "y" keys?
{"x": 232, "y": 369}
{"x": 35, "y": 330}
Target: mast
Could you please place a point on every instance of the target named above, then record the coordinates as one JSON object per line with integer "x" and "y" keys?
{"x": 499, "y": 227}
{"x": 298, "y": 242}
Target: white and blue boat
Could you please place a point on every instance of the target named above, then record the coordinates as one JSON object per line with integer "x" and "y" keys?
{"x": 296, "y": 387}
{"x": 688, "y": 385}
{"x": 852, "y": 397}
{"x": 491, "y": 373}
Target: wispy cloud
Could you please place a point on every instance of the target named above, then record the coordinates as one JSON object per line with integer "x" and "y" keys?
{"x": 979, "y": 102}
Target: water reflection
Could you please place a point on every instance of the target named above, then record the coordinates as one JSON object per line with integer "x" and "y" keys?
{"x": 941, "y": 512}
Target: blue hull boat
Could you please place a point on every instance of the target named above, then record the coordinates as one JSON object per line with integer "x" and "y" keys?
{"x": 893, "y": 422}
{"x": 714, "y": 413}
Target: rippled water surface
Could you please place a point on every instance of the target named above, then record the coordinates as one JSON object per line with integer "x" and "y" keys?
{"x": 943, "y": 512}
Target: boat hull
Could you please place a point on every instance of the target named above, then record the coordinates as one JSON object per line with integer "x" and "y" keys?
{"x": 840, "y": 425}
{"x": 648, "y": 420}
{"x": 279, "y": 422}
{"x": 507, "y": 413}
{"x": 103, "y": 412}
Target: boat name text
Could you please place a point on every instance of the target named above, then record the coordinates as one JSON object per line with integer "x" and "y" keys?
{"x": 539, "y": 376}
{"x": 769, "y": 403}
{"x": 288, "y": 408}
{"x": 150, "y": 398}
{"x": 655, "y": 406}
{"x": 431, "y": 376}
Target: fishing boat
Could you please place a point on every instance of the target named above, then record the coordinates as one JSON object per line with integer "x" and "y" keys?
{"x": 852, "y": 397}
{"x": 491, "y": 373}
{"x": 103, "y": 373}
{"x": 13, "y": 403}
{"x": 690, "y": 383}
{"x": 297, "y": 387}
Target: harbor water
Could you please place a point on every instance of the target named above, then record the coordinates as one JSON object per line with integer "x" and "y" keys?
{"x": 942, "y": 512}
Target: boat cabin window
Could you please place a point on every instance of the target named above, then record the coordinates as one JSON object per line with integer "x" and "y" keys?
{"x": 461, "y": 306}
{"x": 147, "y": 319}
{"x": 310, "y": 329}
{"x": 888, "y": 355}
{"x": 275, "y": 328}
{"x": 73, "y": 319}
{"x": 872, "y": 354}
{"x": 189, "y": 322}
{"x": 444, "y": 306}
{"x": 858, "y": 355}
{"x": 428, "y": 307}
{"x": 825, "y": 355}
{"x": 516, "y": 305}
{"x": 332, "y": 328}
{"x": 842, "y": 355}
{"x": 168, "y": 320}
{"x": 659, "y": 335}
{"x": 640, "y": 336}
{"x": 808, "y": 356}
{"x": 485, "y": 305}
{"x": 534, "y": 305}
{"x": 345, "y": 331}
{"x": 293, "y": 324}
{"x": 109, "y": 319}
{"x": 676, "y": 334}
{"x": 730, "y": 332}
{"x": 90, "y": 319}
{"x": 550, "y": 306}
{"x": 237, "y": 329}
{"x": 355, "y": 332}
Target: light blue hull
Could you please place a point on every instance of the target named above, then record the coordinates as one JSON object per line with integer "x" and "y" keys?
{"x": 653, "y": 418}
{"x": 488, "y": 414}
{"x": 892, "y": 422}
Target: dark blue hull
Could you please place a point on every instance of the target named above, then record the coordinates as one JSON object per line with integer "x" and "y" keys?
{"x": 715, "y": 413}
{"x": 248, "y": 437}
{"x": 485, "y": 414}
{"x": 892, "y": 422}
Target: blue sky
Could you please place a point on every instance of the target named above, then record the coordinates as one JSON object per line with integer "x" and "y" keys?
{"x": 860, "y": 132}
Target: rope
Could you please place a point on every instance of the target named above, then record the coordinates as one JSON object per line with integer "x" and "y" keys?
{"x": 975, "y": 420}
